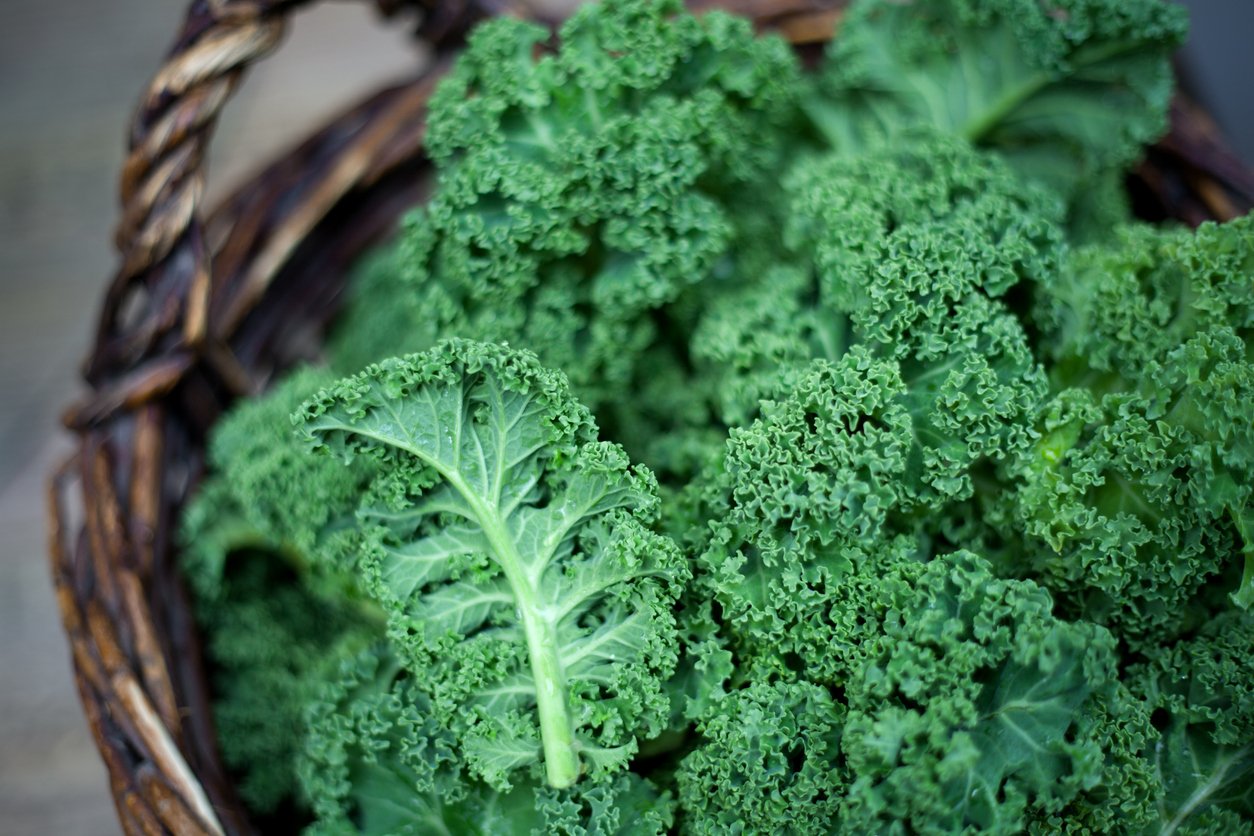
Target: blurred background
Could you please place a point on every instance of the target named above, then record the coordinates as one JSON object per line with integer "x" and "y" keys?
{"x": 70, "y": 72}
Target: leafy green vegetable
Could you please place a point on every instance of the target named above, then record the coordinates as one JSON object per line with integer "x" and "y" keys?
{"x": 579, "y": 191}
{"x": 946, "y": 520}
{"x": 907, "y": 274}
{"x": 1139, "y": 491}
{"x": 377, "y": 762}
{"x": 512, "y": 555}
{"x": 269, "y": 645}
{"x": 269, "y": 557}
{"x": 999, "y": 680}
{"x": 269, "y": 494}
{"x": 1065, "y": 89}
{"x": 1205, "y": 695}
{"x": 771, "y": 749}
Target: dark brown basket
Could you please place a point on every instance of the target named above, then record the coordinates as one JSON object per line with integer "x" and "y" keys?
{"x": 208, "y": 307}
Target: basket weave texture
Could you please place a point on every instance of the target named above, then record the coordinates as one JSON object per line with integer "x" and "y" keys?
{"x": 206, "y": 307}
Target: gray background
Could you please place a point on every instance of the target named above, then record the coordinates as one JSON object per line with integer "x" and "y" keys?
{"x": 69, "y": 74}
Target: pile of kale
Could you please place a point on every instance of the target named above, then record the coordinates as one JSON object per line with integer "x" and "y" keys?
{"x": 727, "y": 448}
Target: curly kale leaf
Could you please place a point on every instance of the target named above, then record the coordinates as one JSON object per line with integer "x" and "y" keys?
{"x": 270, "y": 644}
{"x": 269, "y": 554}
{"x": 1147, "y": 465}
{"x": 580, "y": 190}
{"x": 840, "y": 473}
{"x": 909, "y": 432}
{"x": 267, "y": 492}
{"x": 374, "y": 759}
{"x": 961, "y": 688}
{"x": 1117, "y": 316}
{"x": 911, "y": 275}
{"x": 377, "y": 761}
{"x": 513, "y": 555}
{"x": 1201, "y": 694}
{"x": 1104, "y": 499}
{"x": 1065, "y": 90}
{"x": 957, "y": 219}
{"x": 1178, "y": 738}
{"x": 769, "y": 763}
{"x": 962, "y": 693}
{"x": 966, "y": 714}
{"x": 1202, "y": 697}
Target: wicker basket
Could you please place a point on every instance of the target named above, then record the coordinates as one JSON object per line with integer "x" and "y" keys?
{"x": 207, "y": 307}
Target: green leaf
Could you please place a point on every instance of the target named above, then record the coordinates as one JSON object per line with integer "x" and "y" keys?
{"x": 1198, "y": 773}
{"x": 1064, "y": 90}
{"x": 512, "y": 554}
{"x": 1199, "y": 752}
{"x": 773, "y": 753}
{"x": 267, "y": 492}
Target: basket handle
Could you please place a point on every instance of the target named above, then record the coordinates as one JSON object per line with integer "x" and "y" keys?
{"x": 154, "y": 318}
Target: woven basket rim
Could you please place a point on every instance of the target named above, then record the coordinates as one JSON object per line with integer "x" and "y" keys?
{"x": 208, "y": 288}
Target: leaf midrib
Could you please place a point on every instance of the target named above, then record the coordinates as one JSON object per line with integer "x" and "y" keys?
{"x": 556, "y": 726}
